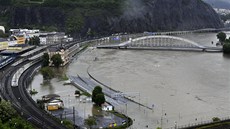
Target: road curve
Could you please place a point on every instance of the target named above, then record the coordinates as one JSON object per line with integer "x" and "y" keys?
{"x": 22, "y": 101}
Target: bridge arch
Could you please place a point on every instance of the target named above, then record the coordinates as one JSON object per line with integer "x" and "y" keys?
{"x": 160, "y": 40}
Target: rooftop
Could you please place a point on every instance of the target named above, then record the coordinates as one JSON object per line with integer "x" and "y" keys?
{"x": 50, "y": 96}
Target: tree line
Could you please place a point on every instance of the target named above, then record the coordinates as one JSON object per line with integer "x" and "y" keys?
{"x": 46, "y": 71}
{"x": 9, "y": 119}
{"x": 224, "y": 41}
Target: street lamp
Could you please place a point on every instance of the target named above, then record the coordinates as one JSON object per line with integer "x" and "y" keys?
{"x": 152, "y": 107}
{"x": 126, "y": 109}
{"x": 175, "y": 124}
{"x": 162, "y": 116}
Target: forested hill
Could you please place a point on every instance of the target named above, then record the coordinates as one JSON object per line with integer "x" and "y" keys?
{"x": 103, "y": 17}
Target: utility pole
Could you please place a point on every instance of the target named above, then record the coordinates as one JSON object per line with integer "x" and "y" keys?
{"x": 73, "y": 117}
{"x": 126, "y": 109}
{"x": 175, "y": 125}
{"x": 162, "y": 117}
{"x": 139, "y": 101}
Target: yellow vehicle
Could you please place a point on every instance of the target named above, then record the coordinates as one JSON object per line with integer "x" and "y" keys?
{"x": 52, "y": 107}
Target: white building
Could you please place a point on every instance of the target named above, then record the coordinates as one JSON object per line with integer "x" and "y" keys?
{"x": 2, "y": 28}
{"x": 52, "y": 37}
{"x": 107, "y": 107}
{"x": 23, "y": 31}
{"x": 43, "y": 38}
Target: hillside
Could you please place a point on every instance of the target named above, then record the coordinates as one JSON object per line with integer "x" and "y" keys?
{"x": 104, "y": 17}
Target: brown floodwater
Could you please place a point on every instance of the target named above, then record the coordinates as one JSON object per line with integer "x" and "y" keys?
{"x": 184, "y": 87}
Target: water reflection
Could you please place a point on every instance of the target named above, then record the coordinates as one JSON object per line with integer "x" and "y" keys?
{"x": 226, "y": 56}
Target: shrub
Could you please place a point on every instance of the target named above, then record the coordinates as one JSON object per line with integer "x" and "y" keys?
{"x": 215, "y": 119}
{"x": 226, "y": 48}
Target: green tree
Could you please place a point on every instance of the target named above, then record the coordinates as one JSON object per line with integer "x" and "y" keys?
{"x": 98, "y": 96}
{"x": 100, "y": 99}
{"x": 90, "y": 121}
{"x": 6, "y": 111}
{"x": 5, "y": 2}
{"x": 26, "y": 41}
{"x": 34, "y": 41}
{"x": 45, "y": 60}
{"x": 214, "y": 119}
{"x": 96, "y": 90}
{"x": 57, "y": 60}
{"x": 68, "y": 124}
{"x": 221, "y": 36}
{"x": 226, "y": 48}
{"x": 3, "y": 35}
{"x": 18, "y": 123}
{"x": 47, "y": 73}
{"x": 75, "y": 21}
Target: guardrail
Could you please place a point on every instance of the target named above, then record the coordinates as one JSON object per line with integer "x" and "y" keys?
{"x": 200, "y": 124}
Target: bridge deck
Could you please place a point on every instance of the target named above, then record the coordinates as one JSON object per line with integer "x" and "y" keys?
{"x": 164, "y": 48}
{"x": 162, "y": 42}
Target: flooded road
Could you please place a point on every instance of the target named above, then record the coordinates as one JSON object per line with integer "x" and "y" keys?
{"x": 182, "y": 87}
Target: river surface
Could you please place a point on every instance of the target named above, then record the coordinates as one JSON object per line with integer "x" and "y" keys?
{"x": 182, "y": 87}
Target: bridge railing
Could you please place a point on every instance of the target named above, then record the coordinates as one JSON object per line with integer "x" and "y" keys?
{"x": 162, "y": 37}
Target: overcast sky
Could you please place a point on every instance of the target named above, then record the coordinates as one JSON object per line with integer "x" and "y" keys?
{"x": 218, "y": 1}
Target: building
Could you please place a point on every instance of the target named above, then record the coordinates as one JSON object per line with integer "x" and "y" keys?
{"x": 59, "y": 50}
{"x": 17, "y": 49}
{"x": 107, "y": 107}
{"x": 22, "y": 31}
{"x": 55, "y": 37}
{"x": 5, "y": 43}
{"x": 50, "y": 97}
{"x": 2, "y": 28}
{"x": 53, "y": 102}
{"x": 43, "y": 38}
{"x": 22, "y": 34}
{"x": 12, "y": 41}
{"x": 20, "y": 39}
{"x": 67, "y": 51}
{"x": 52, "y": 38}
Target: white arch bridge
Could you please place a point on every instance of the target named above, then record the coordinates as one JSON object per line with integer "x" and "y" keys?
{"x": 161, "y": 42}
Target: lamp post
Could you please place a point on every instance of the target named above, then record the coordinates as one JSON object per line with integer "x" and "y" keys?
{"x": 73, "y": 117}
{"x": 162, "y": 116}
{"x": 175, "y": 124}
{"x": 126, "y": 109}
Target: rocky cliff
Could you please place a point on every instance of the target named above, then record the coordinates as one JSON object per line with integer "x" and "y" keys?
{"x": 155, "y": 15}
{"x": 130, "y": 16}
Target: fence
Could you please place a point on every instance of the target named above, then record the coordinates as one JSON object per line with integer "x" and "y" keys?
{"x": 199, "y": 124}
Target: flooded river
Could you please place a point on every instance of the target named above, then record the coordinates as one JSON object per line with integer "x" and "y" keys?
{"x": 182, "y": 87}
